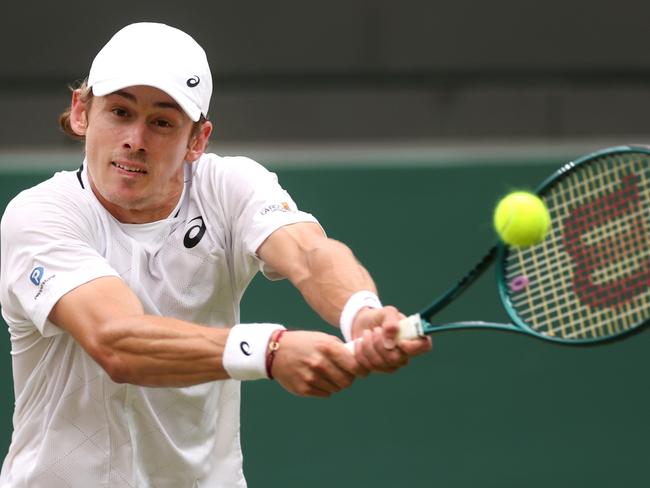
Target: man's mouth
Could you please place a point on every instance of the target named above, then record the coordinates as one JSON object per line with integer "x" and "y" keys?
{"x": 129, "y": 168}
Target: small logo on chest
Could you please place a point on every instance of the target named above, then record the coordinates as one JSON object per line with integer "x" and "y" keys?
{"x": 195, "y": 233}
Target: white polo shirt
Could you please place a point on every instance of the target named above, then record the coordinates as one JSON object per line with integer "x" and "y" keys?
{"x": 73, "y": 426}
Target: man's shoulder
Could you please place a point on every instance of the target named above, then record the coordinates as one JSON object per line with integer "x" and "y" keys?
{"x": 61, "y": 182}
{"x": 230, "y": 176}
{"x": 63, "y": 190}
{"x": 213, "y": 165}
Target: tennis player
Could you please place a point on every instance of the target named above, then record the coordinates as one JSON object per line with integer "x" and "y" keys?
{"x": 121, "y": 285}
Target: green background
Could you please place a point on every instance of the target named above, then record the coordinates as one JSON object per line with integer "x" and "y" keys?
{"x": 485, "y": 408}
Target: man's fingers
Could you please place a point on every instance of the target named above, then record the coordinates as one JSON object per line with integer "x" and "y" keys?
{"x": 355, "y": 368}
{"x": 417, "y": 346}
{"x": 389, "y": 350}
{"x": 389, "y": 335}
{"x": 380, "y": 347}
{"x": 335, "y": 366}
{"x": 366, "y": 353}
{"x": 323, "y": 379}
{"x": 315, "y": 364}
{"x": 374, "y": 355}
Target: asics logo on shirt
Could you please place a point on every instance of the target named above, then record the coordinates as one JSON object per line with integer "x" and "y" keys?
{"x": 36, "y": 275}
{"x": 193, "y": 81}
{"x": 195, "y": 233}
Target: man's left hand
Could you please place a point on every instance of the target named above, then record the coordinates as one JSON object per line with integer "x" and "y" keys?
{"x": 379, "y": 348}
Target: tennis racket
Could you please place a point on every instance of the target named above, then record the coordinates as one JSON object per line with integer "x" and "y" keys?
{"x": 589, "y": 280}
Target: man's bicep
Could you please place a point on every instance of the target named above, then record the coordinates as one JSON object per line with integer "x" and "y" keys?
{"x": 285, "y": 250}
{"x": 84, "y": 309}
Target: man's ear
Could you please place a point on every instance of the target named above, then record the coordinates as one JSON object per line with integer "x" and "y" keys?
{"x": 78, "y": 114}
{"x": 199, "y": 142}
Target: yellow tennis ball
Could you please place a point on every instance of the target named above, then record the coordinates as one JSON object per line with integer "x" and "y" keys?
{"x": 521, "y": 219}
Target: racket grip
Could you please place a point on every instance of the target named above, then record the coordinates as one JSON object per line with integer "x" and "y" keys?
{"x": 409, "y": 328}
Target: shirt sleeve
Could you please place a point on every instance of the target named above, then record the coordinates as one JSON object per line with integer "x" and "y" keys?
{"x": 49, "y": 246}
{"x": 257, "y": 206}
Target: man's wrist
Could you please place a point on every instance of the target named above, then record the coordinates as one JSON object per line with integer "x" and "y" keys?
{"x": 274, "y": 345}
{"x": 355, "y": 303}
{"x": 247, "y": 347}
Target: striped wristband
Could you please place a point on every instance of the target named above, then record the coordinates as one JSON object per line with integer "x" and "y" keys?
{"x": 244, "y": 357}
{"x": 356, "y": 302}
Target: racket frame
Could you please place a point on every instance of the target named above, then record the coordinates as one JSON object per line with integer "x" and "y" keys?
{"x": 500, "y": 252}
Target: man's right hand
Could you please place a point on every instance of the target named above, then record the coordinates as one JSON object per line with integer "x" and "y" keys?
{"x": 314, "y": 364}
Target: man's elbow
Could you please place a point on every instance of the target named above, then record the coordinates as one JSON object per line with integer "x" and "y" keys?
{"x": 102, "y": 349}
{"x": 117, "y": 370}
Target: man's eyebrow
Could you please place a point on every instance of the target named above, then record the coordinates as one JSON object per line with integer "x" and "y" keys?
{"x": 131, "y": 97}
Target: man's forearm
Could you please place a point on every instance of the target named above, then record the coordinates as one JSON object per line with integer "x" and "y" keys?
{"x": 159, "y": 351}
{"x": 331, "y": 275}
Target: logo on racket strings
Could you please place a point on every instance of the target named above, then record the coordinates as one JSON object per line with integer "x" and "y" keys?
{"x": 616, "y": 221}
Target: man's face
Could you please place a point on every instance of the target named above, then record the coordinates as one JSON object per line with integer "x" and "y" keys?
{"x": 136, "y": 142}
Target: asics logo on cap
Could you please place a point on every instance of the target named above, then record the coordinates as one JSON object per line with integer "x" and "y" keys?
{"x": 245, "y": 348}
{"x": 193, "y": 81}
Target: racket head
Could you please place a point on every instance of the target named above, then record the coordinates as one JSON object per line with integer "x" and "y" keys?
{"x": 589, "y": 280}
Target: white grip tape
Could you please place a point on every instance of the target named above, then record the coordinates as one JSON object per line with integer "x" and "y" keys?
{"x": 409, "y": 328}
{"x": 244, "y": 357}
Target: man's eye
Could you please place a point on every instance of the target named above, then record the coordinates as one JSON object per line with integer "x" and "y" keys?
{"x": 120, "y": 112}
{"x": 162, "y": 123}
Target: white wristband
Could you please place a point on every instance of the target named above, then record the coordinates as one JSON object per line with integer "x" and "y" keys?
{"x": 244, "y": 357}
{"x": 355, "y": 303}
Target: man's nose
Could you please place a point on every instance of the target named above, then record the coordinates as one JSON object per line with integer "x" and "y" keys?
{"x": 135, "y": 137}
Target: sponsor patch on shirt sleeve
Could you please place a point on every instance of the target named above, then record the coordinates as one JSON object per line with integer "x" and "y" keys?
{"x": 38, "y": 280}
{"x": 277, "y": 207}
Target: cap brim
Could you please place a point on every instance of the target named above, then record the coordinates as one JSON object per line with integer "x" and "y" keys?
{"x": 102, "y": 88}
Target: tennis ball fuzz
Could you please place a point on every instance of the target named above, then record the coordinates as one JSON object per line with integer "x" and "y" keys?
{"x": 521, "y": 219}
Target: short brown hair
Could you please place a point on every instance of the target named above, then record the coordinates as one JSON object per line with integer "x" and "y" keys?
{"x": 87, "y": 98}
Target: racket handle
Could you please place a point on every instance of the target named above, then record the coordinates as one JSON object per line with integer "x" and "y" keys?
{"x": 409, "y": 328}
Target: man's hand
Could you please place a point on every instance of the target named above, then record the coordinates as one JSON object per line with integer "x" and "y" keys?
{"x": 380, "y": 349}
{"x": 314, "y": 364}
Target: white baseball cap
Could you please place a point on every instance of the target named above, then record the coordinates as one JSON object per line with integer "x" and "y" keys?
{"x": 155, "y": 55}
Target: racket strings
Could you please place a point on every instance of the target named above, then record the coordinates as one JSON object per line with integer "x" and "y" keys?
{"x": 557, "y": 212}
{"x": 626, "y": 260}
{"x": 627, "y": 226}
{"x": 590, "y": 277}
